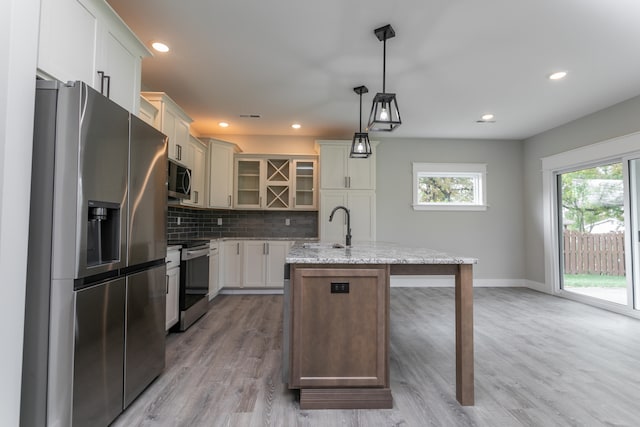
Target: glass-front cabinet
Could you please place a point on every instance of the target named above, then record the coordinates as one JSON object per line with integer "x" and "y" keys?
{"x": 275, "y": 183}
{"x": 249, "y": 177}
{"x": 305, "y": 184}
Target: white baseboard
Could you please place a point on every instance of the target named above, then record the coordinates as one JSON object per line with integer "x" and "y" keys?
{"x": 449, "y": 282}
{"x": 537, "y": 286}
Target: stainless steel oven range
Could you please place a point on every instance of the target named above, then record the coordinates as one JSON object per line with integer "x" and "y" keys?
{"x": 194, "y": 282}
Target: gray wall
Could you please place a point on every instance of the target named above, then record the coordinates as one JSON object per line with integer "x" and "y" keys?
{"x": 620, "y": 119}
{"x": 494, "y": 236}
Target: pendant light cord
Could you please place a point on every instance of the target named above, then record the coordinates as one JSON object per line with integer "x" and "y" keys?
{"x": 384, "y": 63}
{"x": 360, "y": 117}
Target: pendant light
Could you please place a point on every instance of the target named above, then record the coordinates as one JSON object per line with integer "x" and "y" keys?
{"x": 360, "y": 147}
{"x": 385, "y": 115}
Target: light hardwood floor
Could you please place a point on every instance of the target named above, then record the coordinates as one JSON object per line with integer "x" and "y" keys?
{"x": 539, "y": 361}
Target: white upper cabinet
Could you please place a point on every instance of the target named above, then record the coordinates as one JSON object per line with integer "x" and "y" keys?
{"x": 339, "y": 171}
{"x": 148, "y": 112}
{"x": 173, "y": 122}
{"x": 275, "y": 182}
{"x": 350, "y": 183}
{"x": 86, "y": 40}
{"x": 221, "y": 173}
{"x": 305, "y": 183}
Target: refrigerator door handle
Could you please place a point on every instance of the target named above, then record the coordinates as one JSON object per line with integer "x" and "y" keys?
{"x": 108, "y": 79}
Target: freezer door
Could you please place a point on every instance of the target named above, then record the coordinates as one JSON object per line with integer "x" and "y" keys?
{"x": 99, "y": 354}
{"x": 147, "y": 193}
{"x": 145, "y": 333}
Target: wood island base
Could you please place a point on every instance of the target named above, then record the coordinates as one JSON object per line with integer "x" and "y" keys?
{"x": 336, "y": 321}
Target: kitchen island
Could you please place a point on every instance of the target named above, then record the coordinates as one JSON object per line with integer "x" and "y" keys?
{"x": 336, "y": 331}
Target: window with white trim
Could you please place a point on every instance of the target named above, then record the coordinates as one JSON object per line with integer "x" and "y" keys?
{"x": 449, "y": 186}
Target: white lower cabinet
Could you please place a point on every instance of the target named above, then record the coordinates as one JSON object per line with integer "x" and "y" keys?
{"x": 214, "y": 268}
{"x": 253, "y": 263}
{"x": 276, "y": 255}
{"x": 264, "y": 263}
{"x": 173, "y": 285}
{"x": 231, "y": 265}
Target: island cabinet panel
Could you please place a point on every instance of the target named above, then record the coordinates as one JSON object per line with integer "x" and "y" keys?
{"x": 340, "y": 327}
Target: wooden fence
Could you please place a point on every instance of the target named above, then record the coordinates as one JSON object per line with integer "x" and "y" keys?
{"x": 586, "y": 253}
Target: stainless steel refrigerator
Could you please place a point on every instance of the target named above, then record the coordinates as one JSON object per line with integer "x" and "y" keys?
{"x": 96, "y": 285}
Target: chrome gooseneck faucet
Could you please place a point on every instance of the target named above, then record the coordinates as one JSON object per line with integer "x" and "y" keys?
{"x": 348, "y": 236}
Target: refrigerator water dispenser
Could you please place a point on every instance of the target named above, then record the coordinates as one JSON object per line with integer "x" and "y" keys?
{"x": 103, "y": 233}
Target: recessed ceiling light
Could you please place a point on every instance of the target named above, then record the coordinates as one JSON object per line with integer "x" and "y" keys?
{"x": 160, "y": 47}
{"x": 223, "y": 124}
{"x": 296, "y": 126}
{"x": 558, "y": 75}
{"x": 486, "y": 118}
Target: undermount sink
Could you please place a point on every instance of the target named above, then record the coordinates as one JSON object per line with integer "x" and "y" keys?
{"x": 322, "y": 245}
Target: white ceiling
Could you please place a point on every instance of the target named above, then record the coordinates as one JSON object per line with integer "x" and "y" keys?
{"x": 450, "y": 62}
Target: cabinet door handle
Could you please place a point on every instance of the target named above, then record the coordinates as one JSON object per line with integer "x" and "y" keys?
{"x": 196, "y": 196}
{"x": 229, "y": 203}
{"x": 264, "y": 249}
{"x": 101, "y": 74}
{"x": 179, "y": 151}
{"x": 238, "y": 248}
{"x": 167, "y": 284}
{"x": 346, "y": 185}
{"x": 349, "y": 182}
{"x": 260, "y": 201}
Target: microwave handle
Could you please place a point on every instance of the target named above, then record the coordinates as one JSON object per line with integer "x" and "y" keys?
{"x": 187, "y": 185}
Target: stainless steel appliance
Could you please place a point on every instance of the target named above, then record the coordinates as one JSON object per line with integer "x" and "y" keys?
{"x": 94, "y": 324}
{"x": 194, "y": 282}
{"x": 178, "y": 180}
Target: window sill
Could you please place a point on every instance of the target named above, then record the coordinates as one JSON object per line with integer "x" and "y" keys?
{"x": 450, "y": 207}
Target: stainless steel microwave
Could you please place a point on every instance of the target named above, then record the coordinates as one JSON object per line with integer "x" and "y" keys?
{"x": 178, "y": 181}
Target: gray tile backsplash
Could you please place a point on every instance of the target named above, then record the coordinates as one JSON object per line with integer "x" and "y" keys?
{"x": 197, "y": 223}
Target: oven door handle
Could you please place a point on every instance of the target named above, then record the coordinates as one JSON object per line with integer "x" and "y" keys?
{"x": 190, "y": 254}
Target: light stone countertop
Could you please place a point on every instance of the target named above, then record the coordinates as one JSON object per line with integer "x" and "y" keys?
{"x": 370, "y": 253}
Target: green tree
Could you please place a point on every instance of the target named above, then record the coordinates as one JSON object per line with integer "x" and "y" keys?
{"x": 446, "y": 189}
{"x": 592, "y": 195}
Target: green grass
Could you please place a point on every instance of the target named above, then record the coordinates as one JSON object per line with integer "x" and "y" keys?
{"x": 594, "y": 281}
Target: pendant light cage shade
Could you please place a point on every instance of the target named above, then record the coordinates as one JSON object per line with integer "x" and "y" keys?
{"x": 360, "y": 146}
{"x": 385, "y": 115}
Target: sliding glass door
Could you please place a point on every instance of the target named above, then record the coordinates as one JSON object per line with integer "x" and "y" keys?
{"x": 592, "y": 225}
{"x": 634, "y": 219}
